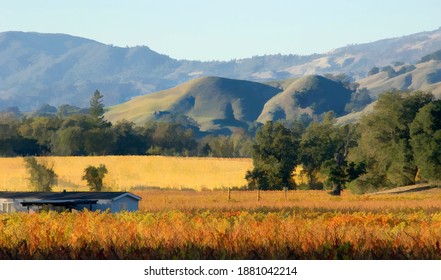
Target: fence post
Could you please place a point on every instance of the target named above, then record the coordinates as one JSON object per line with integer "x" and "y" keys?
{"x": 229, "y": 193}
{"x": 285, "y": 189}
{"x": 258, "y": 195}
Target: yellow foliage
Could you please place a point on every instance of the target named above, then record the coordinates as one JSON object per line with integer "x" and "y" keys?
{"x": 301, "y": 178}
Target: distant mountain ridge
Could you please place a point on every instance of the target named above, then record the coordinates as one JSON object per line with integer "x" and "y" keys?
{"x": 60, "y": 69}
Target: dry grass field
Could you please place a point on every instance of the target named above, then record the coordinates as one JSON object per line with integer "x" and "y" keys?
{"x": 126, "y": 172}
{"x": 157, "y": 201}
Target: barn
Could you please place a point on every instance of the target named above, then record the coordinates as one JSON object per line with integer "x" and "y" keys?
{"x": 67, "y": 201}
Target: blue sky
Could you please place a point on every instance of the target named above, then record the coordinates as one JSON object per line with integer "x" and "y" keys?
{"x": 226, "y": 29}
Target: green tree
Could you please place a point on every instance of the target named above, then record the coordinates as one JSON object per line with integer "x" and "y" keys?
{"x": 94, "y": 177}
{"x": 83, "y": 135}
{"x": 8, "y": 133}
{"x": 384, "y": 143}
{"x": 218, "y": 146}
{"x": 317, "y": 146}
{"x": 425, "y": 133}
{"x": 99, "y": 141}
{"x": 40, "y": 129}
{"x": 128, "y": 140}
{"x": 12, "y": 143}
{"x": 170, "y": 138}
{"x": 69, "y": 139}
{"x": 275, "y": 154}
{"x": 325, "y": 149}
{"x": 359, "y": 100}
{"x": 232, "y": 146}
{"x": 338, "y": 170}
{"x": 96, "y": 109}
{"x": 42, "y": 178}
{"x": 340, "y": 173}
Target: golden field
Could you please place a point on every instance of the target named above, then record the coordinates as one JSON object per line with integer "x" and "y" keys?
{"x": 156, "y": 201}
{"x": 126, "y": 172}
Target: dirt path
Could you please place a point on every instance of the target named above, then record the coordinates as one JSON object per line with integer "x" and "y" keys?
{"x": 411, "y": 188}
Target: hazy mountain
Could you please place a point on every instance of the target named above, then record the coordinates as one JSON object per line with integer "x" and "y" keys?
{"x": 54, "y": 68}
{"x": 57, "y": 69}
{"x": 425, "y": 75}
{"x": 356, "y": 60}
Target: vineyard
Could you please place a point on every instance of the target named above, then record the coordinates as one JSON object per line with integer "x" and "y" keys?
{"x": 208, "y": 225}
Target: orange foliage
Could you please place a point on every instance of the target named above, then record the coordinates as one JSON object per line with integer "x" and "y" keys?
{"x": 206, "y": 225}
{"x": 220, "y": 235}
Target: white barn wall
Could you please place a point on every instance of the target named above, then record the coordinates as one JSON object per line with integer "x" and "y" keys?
{"x": 15, "y": 207}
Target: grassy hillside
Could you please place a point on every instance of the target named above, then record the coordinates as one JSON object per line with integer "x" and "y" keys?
{"x": 424, "y": 76}
{"x": 213, "y": 102}
{"x": 217, "y": 103}
{"x": 221, "y": 105}
{"x": 356, "y": 116}
{"x": 133, "y": 171}
{"x": 311, "y": 95}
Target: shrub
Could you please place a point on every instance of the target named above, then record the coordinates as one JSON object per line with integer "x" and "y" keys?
{"x": 94, "y": 177}
{"x": 42, "y": 178}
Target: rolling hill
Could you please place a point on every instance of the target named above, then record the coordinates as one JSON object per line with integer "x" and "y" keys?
{"x": 310, "y": 95}
{"x": 221, "y": 105}
{"x": 214, "y": 103}
{"x": 60, "y": 69}
{"x": 425, "y": 75}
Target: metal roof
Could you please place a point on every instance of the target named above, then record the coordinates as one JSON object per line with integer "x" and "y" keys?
{"x": 72, "y": 203}
{"x": 67, "y": 195}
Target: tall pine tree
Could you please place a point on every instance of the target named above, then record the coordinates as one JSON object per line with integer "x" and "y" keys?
{"x": 96, "y": 109}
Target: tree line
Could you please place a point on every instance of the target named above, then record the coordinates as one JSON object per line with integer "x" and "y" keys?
{"x": 398, "y": 144}
{"x": 88, "y": 133}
